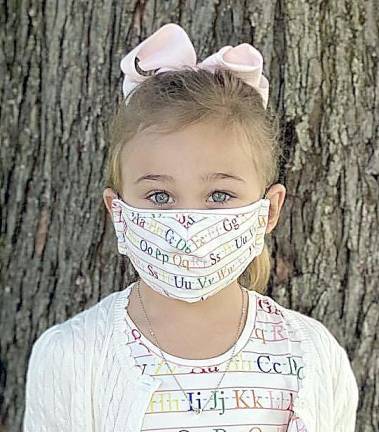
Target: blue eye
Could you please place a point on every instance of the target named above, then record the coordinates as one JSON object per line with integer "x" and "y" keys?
{"x": 158, "y": 194}
{"x": 160, "y": 201}
{"x": 222, "y": 194}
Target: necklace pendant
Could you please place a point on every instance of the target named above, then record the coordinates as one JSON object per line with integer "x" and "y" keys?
{"x": 198, "y": 411}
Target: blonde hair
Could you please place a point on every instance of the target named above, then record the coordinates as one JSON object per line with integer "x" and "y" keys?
{"x": 172, "y": 100}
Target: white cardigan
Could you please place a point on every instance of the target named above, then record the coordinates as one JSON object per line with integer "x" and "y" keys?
{"x": 81, "y": 376}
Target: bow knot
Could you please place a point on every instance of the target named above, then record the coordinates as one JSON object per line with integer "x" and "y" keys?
{"x": 170, "y": 48}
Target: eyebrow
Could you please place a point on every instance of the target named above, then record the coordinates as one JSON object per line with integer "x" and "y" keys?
{"x": 208, "y": 177}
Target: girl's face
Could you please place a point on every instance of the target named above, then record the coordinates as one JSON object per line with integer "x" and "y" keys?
{"x": 201, "y": 167}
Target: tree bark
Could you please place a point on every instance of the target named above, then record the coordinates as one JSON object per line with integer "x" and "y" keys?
{"x": 60, "y": 82}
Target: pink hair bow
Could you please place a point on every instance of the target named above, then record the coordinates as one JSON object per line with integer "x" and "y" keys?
{"x": 170, "y": 48}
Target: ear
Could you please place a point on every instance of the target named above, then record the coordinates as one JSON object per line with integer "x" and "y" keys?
{"x": 276, "y": 194}
{"x": 108, "y": 196}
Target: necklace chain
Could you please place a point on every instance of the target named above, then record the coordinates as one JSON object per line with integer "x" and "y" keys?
{"x": 197, "y": 411}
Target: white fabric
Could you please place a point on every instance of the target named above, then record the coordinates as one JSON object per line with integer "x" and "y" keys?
{"x": 83, "y": 377}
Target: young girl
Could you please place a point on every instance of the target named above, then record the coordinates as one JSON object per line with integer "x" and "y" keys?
{"x": 194, "y": 344}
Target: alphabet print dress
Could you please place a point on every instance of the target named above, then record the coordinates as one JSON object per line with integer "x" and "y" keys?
{"x": 255, "y": 395}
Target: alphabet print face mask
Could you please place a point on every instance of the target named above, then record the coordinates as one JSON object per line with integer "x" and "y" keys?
{"x": 190, "y": 254}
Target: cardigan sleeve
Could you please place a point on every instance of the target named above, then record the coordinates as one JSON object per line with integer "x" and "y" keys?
{"x": 346, "y": 394}
{"x": 48, "y": 388}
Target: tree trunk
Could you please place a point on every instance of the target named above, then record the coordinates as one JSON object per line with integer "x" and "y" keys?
{"x": 60, "y": 81}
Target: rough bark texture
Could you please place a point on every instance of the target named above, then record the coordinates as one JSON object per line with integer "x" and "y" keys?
{"x": 60, "y": 79}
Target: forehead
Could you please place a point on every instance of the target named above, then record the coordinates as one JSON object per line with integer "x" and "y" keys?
{"x": 190, "y": 152}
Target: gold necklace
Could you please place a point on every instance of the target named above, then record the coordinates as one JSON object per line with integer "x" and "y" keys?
{"x": 197, "y": 411}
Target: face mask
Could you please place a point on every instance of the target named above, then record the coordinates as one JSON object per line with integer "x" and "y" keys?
{"x": 190, "y": 254}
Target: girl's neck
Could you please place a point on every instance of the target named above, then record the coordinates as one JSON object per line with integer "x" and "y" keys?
{"x": 197, "y": 330}
{"x": 215, "y": 306}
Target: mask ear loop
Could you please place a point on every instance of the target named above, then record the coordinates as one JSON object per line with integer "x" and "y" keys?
{"x": 266, "y": 190}
{"x": 118, "y": 196}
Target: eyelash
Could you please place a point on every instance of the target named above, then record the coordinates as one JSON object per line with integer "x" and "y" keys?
{"x": 164, "y": 191}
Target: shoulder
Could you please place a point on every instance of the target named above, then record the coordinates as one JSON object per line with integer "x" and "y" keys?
{"x": 59, "y": 367}
{"x": 90, "y": 325}
{"x": 333, "y": 361}
{"x": 329, "y": 370}
{"x": 312, "y": 328}
{"x": 318, "y": 341}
